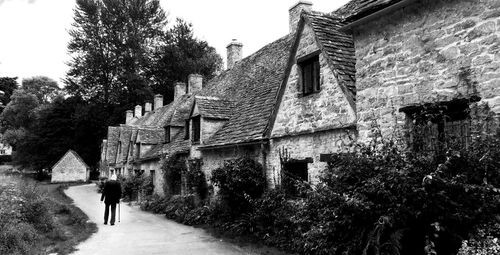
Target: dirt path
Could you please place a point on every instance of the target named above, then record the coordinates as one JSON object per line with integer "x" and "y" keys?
{"x": 141, "y": 232}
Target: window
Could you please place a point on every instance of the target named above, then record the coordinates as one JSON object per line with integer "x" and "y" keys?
{"x": 167, "y": 134}
{"x": 439, "y": 127}
{"x": 196, "y": 128}
{"x": 294, "y": 173}
{"x": 309, "y": 75}
{"x": 186, "y": 130}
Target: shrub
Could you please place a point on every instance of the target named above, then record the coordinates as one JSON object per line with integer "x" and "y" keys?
{"x": 172, "y": 170}
{"x": 239, "y": 181}
{"x": 484, "y": 242}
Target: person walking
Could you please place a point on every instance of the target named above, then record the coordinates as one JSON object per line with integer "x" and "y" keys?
{"x": 111, "y": 195}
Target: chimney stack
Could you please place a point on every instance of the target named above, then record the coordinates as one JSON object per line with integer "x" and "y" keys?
{"x": 138, "y": 111}
{"x": 180, "y": 89}
{"x": 147, "y": 107}
{"x": 158, "y": 101}
{"x": 195, "y": 83}
{"x": 234, "y": 53}
{"x": 129, "y": 115}
{"x": 295, "y": 12}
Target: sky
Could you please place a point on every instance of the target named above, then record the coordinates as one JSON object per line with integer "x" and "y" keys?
{"x": 34, "y": 33}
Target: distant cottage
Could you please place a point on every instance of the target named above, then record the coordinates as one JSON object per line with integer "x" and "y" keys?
{"x": 70, "y": 168}
{"x": 367, "y": 67}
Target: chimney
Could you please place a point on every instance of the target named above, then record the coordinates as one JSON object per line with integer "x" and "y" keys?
{"x": 295, "y": 12}
{"x": 138, "y": 111}
{"x": 195, "y": 83}
{"x": 147, "y": 107}
{"x": 158, "y": 101}
{"x": 180, "y": 89}
{"x": 129, "y": 115}
{"x": 234, "y": 53}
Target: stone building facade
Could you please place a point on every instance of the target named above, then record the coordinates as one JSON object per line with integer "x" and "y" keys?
{"x": 70, "y": 168}
{"x": 322, "y": 86}
{"x": 310, "y": 123}
{"x": 435, "y": 51}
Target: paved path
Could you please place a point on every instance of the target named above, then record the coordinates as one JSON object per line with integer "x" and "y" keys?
{"x": 141, "y": 232}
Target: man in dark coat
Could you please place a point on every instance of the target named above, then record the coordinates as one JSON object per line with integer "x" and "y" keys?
{"x": 111, "y": 195}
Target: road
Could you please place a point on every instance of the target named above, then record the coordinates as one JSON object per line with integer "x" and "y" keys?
{"x": 141, "y": 232}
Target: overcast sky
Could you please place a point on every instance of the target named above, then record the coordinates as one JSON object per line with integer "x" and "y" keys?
{"x": 34, "y": 33}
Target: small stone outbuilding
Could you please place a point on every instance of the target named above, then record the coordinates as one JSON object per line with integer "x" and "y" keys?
{"x": 70, "y": 168}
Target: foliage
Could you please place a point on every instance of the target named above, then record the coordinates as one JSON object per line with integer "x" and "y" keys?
{"x": 44, "y": 88}
{"x": 180, "y": 55}
{"x": 19, "y": 113}
{"x": 484, "y": 241}
{"x": 42, "y": 134}
{"x": 173, "y": 168}
{"x": 111, "y": 46}
{"x": 7, "y": 85}
{"x": 239, "y": 181}
{"x": 196, "y": 180}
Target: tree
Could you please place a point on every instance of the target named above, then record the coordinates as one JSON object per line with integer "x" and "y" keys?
{"x": 7, "y": 85}
{"x": 111, "y": 45}
{"x": 181, "y": 55}
{"x": 19, "y": 112}
{"x": 44, "y": 88}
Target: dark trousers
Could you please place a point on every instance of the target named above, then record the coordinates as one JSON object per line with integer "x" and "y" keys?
{"x": 113, "y": 213}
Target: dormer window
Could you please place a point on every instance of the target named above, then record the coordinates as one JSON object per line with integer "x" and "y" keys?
{"x": 309, "y": 74}
{"x": 167, "y": 134}
{"x": 196, "y": 129}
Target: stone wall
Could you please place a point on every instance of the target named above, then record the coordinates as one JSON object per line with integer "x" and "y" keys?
{"x": 430, "y": 51}
{"x": 306, "y": 146}
{"x": 308, "y": 126}
{"x": 69, "y": 169}
{"x": 213, "y": 159}
{"x": 327, "y": 109}
{"x": 158, "y": 180}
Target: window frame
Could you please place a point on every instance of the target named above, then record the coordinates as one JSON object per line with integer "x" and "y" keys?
{"x": 196, "y": 129}
{"x": 440, "y": 129}
{"x": 309, "y": 68}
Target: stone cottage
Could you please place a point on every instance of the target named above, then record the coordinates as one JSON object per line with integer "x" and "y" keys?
{"x": 410, "y": 54}
{"x": 70, "y": 168}
{"x": 304, "y": 96}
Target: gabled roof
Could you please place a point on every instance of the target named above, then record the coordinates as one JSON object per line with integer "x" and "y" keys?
{"x": 113, "y": 136}
{"x": 71, "y": 152}
{"x": 357, "y": 9}
{"x": 252, "y": 84}
{"x": 214, "y": 107}
{"x": 337, "y": 46}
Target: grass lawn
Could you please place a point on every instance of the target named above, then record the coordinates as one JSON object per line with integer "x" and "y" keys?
{"x": 72, "y": 221}
{"x": 38, "y": 218}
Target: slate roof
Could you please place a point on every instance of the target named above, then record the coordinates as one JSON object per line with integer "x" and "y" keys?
{"x": 150, "y": 136}
{"x": 166, "y": 115}
{"x": 357, "y": 9}
{"x": 214, "y": 107}
{"x": 75, "y": 155}
{"x": 113, "y": 135}
{"x": 338, "y": 46}
{"x": 177, "y": 145}
{"x": 125, "y": 133}
{"x": 252, "y": 84}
